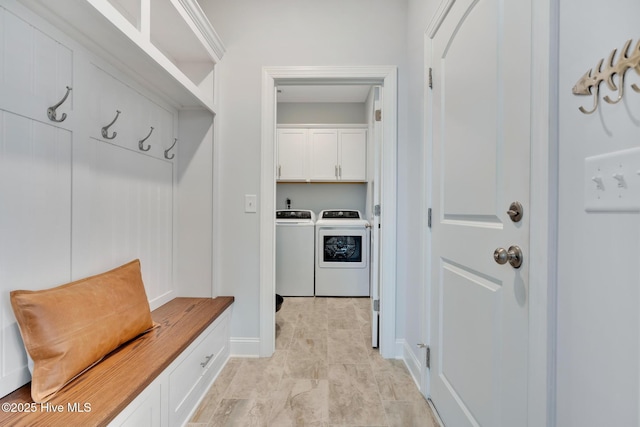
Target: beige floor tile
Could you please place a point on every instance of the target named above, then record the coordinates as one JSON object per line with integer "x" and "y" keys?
{"x": 308, "y": 344}
{"x": 284, "y": 334}
{"x": 212, "y": 399}
{"x": 324, "y": 373}
{"x": 343, "y": 318}
{"x": 313, "y": 368}
{"x": 346, "y": 346}
{"x": 313, "y": 321}
{"x": 242, "y": 412}
{"x": 395, "y": 382}
{"x": 257, "y": 378}
{"x": 353, "y": 396}
{"x": 300, "y": 402}
{"x": 409, "y": 414}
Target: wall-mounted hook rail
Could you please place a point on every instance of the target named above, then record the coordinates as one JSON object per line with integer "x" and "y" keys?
{"x": 51, "y": 111}
{"x": 141, "y": 142}
{"x": 604, "y": 71}
{"x": 105, "y": 130}
{"x": 166, "y": 152}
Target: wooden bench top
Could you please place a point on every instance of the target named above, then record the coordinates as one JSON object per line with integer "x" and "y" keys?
{"x": 112, "y": 384}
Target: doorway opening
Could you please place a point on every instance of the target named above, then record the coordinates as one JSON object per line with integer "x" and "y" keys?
{"x": 386, "y": 79}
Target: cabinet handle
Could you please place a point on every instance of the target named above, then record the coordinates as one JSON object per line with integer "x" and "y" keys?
{"x": 279, "y": 171}
{"x": 207, "y": 359}
{"x": 336, "y": 172}
{"x": 340, "y": 171}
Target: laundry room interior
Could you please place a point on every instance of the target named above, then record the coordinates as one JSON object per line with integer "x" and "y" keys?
{"x": 314, "y": 106}
{"x": 325, "y": 171}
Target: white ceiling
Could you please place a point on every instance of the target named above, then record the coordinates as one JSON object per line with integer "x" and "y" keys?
{"x": 323, "y": 93}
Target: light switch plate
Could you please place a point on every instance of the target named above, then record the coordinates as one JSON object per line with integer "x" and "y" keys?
{"x": 612, "y": 182}
{"x": 250, "y": 203}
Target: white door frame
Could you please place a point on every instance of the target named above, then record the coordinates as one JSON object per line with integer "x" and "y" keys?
{"x": 543, "y": 206}
{"x": 382, "y": 75}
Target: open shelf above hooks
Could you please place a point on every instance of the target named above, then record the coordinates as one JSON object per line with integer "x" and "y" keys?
{"x": 169, "y": 45}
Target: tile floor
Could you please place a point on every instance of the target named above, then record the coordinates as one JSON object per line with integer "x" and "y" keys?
{"x": 324, "y": 373}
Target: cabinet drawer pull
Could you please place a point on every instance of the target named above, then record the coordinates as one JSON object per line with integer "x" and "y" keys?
{"x": 207, "y": 359}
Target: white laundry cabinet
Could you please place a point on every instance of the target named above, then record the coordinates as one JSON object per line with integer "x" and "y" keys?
{"x": 322, "y": 154}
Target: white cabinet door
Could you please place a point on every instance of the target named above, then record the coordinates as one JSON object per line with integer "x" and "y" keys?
{"x": 352, "y": 154}
{"x": 324, "y": 154}
{"x": 292, "y": 155}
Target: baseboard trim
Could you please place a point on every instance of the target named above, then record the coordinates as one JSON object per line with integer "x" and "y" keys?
{"x": 411, "y": 361}
{"x": 245, "y": 347}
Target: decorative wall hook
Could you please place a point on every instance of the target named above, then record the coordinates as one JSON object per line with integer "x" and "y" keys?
{"x": 589, "y": 83}
{"x": 141, "y": 142}
{"x": 166, "y": 152}
{"x": 105, "y": 130}
{"x": 51, "y": 111}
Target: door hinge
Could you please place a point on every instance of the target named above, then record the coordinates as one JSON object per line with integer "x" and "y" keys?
{"x": 378, "y": 115}
{"x": 428, "y": 357}
{"x": 430, "y": 78}
{"x": 376, "y": 305}
{"x": 429, "y": 218}
{"x": 376, "y": 210}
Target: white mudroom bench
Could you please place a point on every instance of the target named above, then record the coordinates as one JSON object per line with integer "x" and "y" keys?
{"x": 156, "y": 379}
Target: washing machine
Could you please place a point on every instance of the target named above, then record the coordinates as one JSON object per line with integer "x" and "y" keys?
{"x": 295, "y": 252}
{"x": 342, "y": 254}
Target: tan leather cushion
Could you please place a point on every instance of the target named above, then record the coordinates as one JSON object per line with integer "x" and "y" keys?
{"x": 69, "y": 328}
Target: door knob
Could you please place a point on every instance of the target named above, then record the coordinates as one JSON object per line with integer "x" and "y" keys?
{"x": 513, "y": 256}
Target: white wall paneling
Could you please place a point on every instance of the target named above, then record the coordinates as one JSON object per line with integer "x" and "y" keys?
{"x": 123, "y": 204}
{"x": 73, "y": 203}
{"x": 35, "y": 224}
{"x": 35, "y": 177}
{"x": 34, "y": 70}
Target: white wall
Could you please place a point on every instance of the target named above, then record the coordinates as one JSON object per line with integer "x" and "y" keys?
{"x": 320, "y": 112}
{"x": 281, "y": 33}
{"x": 598, "y": 274}
{"x": 318, "y": 196}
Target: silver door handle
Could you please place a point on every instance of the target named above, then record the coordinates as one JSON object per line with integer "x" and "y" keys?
{"x": 279, "y": 171}
{"x": 513, "y": 256}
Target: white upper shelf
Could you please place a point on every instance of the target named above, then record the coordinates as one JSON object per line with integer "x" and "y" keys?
{"x": 169, "y": 44}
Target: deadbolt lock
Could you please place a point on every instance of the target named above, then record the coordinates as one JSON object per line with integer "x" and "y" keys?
{"x": 515, "y": 211}
{"x": 513, "y": 256}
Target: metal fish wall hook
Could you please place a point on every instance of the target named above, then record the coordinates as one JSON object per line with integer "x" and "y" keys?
{"x": 589, "y": 83}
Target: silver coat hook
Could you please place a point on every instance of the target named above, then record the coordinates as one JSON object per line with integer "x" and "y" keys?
{"x": 105, "y": 130}
{"x": 166, "y": 152}
{"x": 141, "y": 142}
{"x": 51, "y": 111}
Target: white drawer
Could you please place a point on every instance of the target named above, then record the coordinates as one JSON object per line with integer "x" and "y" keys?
{"x": 201, "y": 362}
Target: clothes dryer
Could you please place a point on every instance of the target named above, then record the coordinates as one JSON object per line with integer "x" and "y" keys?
{"x": 342, "y": 254}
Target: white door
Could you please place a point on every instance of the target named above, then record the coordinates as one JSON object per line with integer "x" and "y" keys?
{"x": 480, "y": 54}
{"x": 376, "y": 149}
